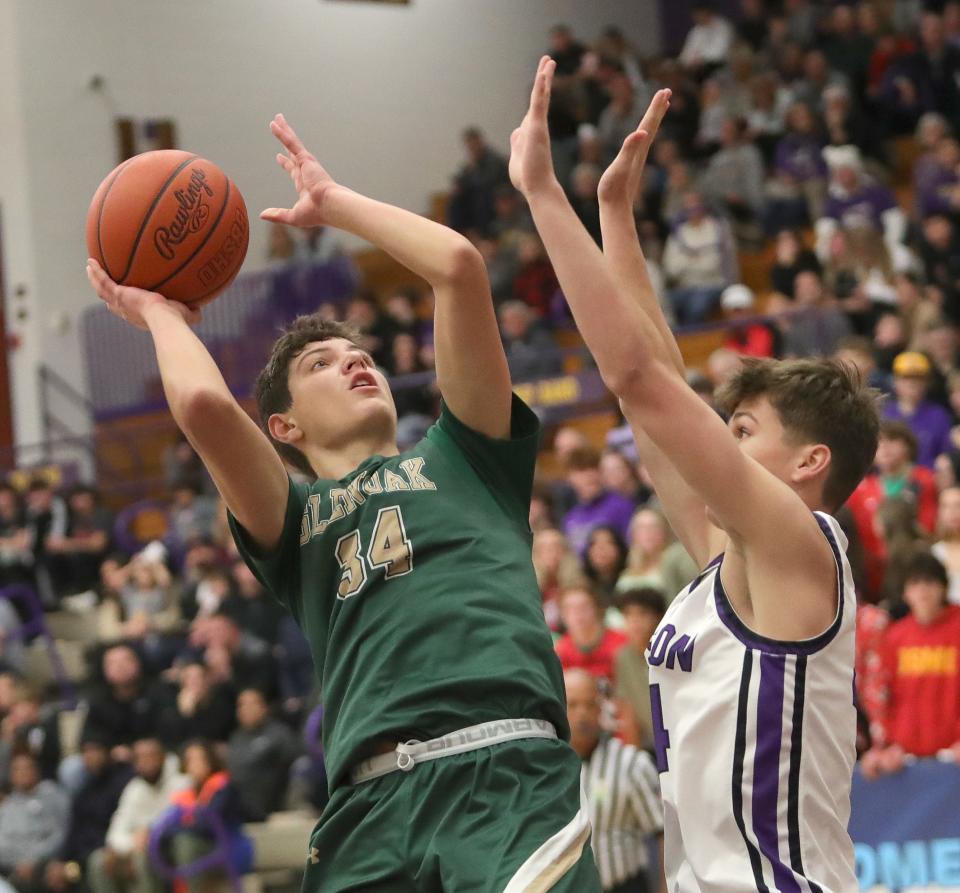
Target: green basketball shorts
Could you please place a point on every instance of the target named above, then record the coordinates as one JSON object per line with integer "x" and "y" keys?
{"x": 501, "y": 819}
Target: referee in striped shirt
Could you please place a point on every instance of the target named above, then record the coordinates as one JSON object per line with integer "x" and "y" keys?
{"x": 622, "y": 790}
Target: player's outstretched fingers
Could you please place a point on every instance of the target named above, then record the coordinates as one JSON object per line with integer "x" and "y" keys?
{"x": 540, "y": 95}
{"x": 286, "y": 134}
{"x": 653, "y": 117}
{"x": 277, "y": 215}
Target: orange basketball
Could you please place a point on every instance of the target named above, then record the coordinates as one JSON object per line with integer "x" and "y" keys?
{"x": 171, "y": 222}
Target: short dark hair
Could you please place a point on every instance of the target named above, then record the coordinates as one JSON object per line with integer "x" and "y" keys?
{"x": 585, "y": 586}
{"x": 819, "y": 401}
{"x": 645, "y": 597}
{"x": 273, "y": 388}
{"x": 894, "y": 429}
{"x": 583, "y": 458}
{"x": 925, "y": 567}
{"x": 214, "y": 760}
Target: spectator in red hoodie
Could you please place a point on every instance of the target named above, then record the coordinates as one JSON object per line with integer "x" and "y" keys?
{"x": 921, "y": 665}
{"x": 895, "y": 476}
{"x": 587, "y": 644}
{"x": 751, "y": 339}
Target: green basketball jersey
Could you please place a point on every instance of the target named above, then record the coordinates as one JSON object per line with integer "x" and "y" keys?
{"x": 412, "y": 580}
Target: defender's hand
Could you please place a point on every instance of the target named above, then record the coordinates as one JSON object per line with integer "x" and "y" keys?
{"x": 531, "y": 163}
{"x": 621, "y": 181}
{"x": 132, "y": 304}
{"x": 310, "y": 180}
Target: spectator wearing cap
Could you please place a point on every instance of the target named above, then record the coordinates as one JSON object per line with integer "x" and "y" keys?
{"x": 93, "y": 807}
{"x": 929, "y": 421}
{"x": 921, "y": 665}
{"x": 642, "y": 610}
{"x": 595, "y": 505}
{"x": 854, "y": 201}
{"x": 894, "y": 476}
{"x": 752, "y": 339}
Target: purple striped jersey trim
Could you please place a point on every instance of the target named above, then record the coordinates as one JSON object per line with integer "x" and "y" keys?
{"x": 766, "y": 768}
{"x": 749, "y": 639}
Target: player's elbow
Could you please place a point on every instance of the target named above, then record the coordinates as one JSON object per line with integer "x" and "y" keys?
{"x": 629, "y": 376}
{"x": 203, "y": 409}
{"x": 463, "y": 263}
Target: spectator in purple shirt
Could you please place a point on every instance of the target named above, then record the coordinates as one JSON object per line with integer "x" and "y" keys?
{"x": 940, "y": 191}
{"x": 595, "y": 505}
{"x": 855, "y": 201}
{"x": 796, "y": 191}
{"x": 929, "y": 421}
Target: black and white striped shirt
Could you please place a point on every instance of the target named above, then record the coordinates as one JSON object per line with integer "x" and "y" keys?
{"x": 623, "y": 795}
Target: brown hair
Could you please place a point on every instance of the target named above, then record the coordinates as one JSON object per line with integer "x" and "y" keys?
{"x": 893, "y": 429}
{"x": 273, "y": 388}
{"x": 582, "y": 459}
{"x": 818, "y": 401}
{"x": 587, "y": 588}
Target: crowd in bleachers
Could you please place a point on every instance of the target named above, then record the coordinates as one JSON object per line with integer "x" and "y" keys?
{"x": 819, "y": 138}
{"x": 786, "y": 139}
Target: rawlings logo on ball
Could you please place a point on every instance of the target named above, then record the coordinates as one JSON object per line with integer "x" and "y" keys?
{"x": 191, "y": 215}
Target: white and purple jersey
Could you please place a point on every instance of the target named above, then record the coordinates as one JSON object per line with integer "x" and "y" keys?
{"x": 756, "y": 742}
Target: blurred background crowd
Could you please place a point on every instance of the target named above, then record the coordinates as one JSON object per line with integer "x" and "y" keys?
{"x": 803, "y": 198}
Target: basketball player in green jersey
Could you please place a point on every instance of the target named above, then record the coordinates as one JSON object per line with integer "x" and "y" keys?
{"x": 410, "y": 573}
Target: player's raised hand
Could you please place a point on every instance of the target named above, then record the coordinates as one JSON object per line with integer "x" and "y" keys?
{"x": 310, "y": 180}
{"x": 132, "y": 304}
{"x": 621, "y": 180}
{"x": 531, "y": 162}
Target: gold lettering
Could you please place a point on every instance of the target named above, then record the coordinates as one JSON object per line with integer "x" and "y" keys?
{"x": 305, "y": 528}
{"x": 318, "y": 525}
{"x": 343, "y": 500}
{"x": 412, "y": 468}
{"x": 354, "y": 492}
{"x": 921, "y": 660}
{"x": 371, "y": 484}
{"x": 393, "y": 482}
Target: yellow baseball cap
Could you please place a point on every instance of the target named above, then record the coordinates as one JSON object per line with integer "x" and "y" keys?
{"x": 911, "y": 363}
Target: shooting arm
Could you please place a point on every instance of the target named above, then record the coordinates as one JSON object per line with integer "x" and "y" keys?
{"x": 471, "y": 366}
{"x": 241, "y": 460}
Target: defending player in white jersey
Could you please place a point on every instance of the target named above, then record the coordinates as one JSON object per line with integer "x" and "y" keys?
{"x": 752, "y": 667}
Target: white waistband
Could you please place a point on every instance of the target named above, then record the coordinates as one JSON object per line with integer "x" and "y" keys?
{"x": 409, "y": 753}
